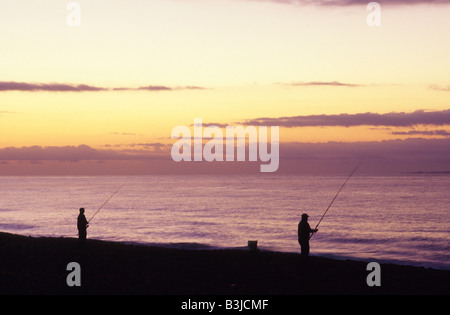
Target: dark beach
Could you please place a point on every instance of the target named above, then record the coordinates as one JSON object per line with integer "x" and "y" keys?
{"x": 31, "y": 265}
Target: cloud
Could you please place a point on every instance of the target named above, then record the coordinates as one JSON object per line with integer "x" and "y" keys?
{"x": 323, "y": 83}
{"x": 155, "y": 88}
{"x": 390, "y": 156}
{"x": 147, "y": 147}
{"x": 123, "y": 133}
{"x": 81, "y": 153}
{"x": 63, "y": 87}
{"x": 419, "y": 117}
{"x": 355, "y": 2}
{"x": 145, "y": 88}
{"x": 440, "y": 132}
{"x": 54, "y": 153}
{"x": 383, "y": 157}
{"x": 288, "y": 150}
{"x": 51, "y": 87}
{"x": 152, "y": 145}
{"x": 411, "y": 148}
{"x": 165, "y": 88}
{"x": 132, "y": 134}
{"x": 2, "y": 112}
{"x": 439, "y": 88}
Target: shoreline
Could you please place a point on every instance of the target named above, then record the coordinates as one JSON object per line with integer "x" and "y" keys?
{"x": 38, "y": 265}
{"x": 193, "y": 246}
{"x": 201, "y": 246}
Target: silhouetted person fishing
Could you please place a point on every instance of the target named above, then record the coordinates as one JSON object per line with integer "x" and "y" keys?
{"x": 304, "y": 230}
{"x": 304, "y": 234}
{"x": 82, "y": 225}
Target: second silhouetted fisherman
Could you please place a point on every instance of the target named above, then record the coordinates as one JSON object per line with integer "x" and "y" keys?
{"x": 82, "y": 225}
{"x": 304, "y": 233}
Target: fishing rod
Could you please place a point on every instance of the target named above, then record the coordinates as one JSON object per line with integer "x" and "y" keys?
{"x": 106, "y": 201}
{"x": 340, "y": 189}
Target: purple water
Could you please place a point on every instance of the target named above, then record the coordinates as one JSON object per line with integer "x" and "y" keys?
{"x": 401, "y": 219}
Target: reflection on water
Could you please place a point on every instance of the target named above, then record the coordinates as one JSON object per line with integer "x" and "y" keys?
{"x": 402, "y": 218}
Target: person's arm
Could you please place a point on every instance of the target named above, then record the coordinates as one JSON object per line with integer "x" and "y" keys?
{"x": 312, "y": 231}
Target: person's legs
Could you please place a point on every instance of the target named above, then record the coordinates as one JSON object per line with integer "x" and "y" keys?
{"x": 304, "y": 246}
{"x": 82, "y": 235}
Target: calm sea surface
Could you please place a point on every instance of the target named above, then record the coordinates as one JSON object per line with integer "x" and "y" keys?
{"x": 402, "y": 219}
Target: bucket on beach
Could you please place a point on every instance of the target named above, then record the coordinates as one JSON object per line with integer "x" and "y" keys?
{"x": 252, "y": 245}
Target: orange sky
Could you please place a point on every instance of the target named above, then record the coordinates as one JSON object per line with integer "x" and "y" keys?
{"x": 154, "y": 65}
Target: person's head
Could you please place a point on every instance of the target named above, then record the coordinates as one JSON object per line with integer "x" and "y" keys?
{"x": 305, "y": 217}
{"x": 82, "y": 210}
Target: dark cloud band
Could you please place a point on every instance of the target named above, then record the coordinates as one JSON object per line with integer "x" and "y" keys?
{"x": 419, "y": 117}
{"x": 62, "y": 87}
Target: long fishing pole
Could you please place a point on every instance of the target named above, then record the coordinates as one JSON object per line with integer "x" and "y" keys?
{"x": 106, "y": 201}
{"x": 340, "y": 189}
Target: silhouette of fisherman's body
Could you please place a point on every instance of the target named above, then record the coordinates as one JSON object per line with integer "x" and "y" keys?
{"x": 304, "y": 233}
{"x": 82, "y": 225}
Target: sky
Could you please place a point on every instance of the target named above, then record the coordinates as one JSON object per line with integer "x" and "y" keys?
{"x": 103, "y": 97}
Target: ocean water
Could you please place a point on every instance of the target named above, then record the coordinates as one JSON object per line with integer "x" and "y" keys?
{"x": 400, "y": 219}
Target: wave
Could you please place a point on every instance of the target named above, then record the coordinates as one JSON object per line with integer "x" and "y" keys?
{"x": 15, "y": 226}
